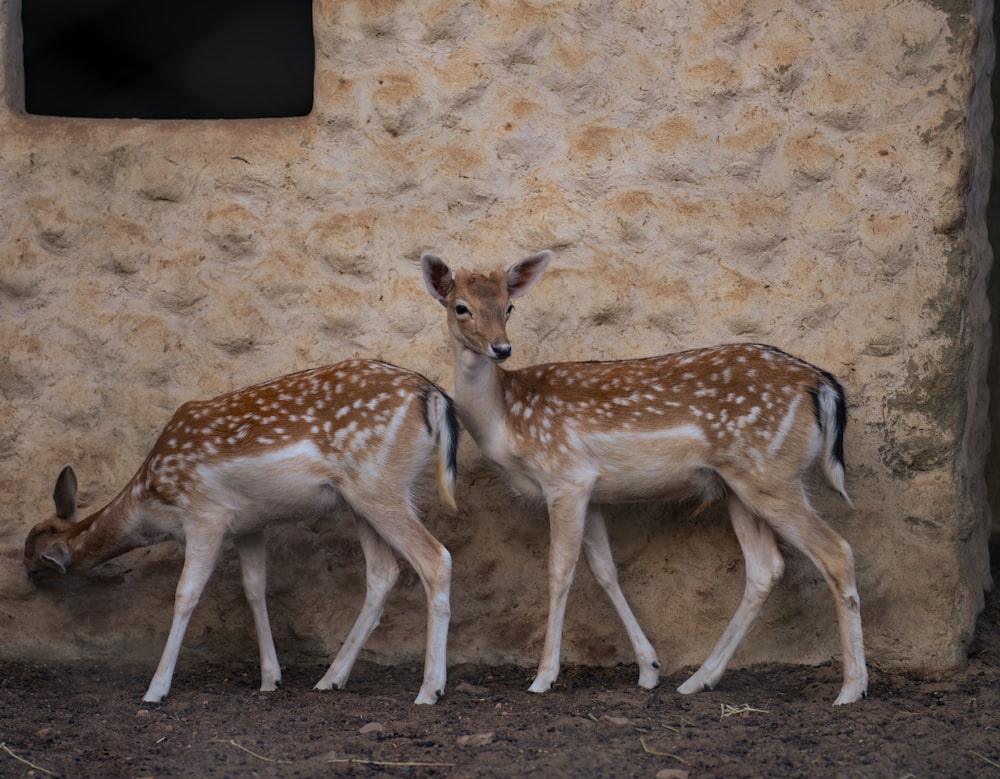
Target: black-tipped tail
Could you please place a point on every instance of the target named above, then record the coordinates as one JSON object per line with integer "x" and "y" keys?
{"x": 442, "y": 422}
{"x": 831, "y": 410}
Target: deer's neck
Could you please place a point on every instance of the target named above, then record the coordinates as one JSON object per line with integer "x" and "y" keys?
{"x": 479, "y": 400}
{"x": 482, "y": 391}
{"x": 113, "y": 530}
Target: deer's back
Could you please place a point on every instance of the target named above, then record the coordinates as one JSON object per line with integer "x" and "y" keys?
{"x": 662, "y": 426}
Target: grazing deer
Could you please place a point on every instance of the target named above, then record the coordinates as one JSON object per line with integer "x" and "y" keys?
{"x": 741, "y": 422}
{"x": 282, "y": 451}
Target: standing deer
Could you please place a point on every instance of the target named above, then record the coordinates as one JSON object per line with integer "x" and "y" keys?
{"x": 741, "y": 422}
{"x": 282, "y": 451}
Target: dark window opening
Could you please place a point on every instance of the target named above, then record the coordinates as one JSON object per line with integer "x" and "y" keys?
{"x": 181, "y": 59}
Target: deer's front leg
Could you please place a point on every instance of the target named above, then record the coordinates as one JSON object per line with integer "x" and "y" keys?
{"x": 200, "y": 555}
{"x": 567, "y": 518}
{"x": 602, "y": 565}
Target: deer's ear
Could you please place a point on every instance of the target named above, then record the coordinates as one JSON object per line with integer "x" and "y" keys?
{"x": 522, "y": 276}
{"x": 64, "y": 494}
{"x": 57, "y": 557}
{"x": 437, "y": 277}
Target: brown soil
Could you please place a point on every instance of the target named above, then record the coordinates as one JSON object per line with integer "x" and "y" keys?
{"x": 87, "y": 720}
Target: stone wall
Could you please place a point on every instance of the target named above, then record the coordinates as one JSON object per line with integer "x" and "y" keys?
{"x": 808, "y": 174}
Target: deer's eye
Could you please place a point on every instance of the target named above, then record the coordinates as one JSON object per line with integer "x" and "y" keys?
{"x": 461, "y": 309}
{"x": 510, "y": 309}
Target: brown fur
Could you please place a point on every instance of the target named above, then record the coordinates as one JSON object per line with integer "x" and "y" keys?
{"x": 740, "y": 421}
{"x": 289, "y": 449}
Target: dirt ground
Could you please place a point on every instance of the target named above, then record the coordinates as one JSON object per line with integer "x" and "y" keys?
{"x": 88, "y": 720}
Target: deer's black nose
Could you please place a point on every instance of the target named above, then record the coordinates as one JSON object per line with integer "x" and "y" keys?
{"x": 501, "y": 351}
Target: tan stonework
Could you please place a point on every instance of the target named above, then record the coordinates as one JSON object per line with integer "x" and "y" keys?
{"x": 806, "y": 174}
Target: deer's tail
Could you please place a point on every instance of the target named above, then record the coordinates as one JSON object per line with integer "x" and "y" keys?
{"x": 443, "y": 424}
{"x": 831, "y": 412}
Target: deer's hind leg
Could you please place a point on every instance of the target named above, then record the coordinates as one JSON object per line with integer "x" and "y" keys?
{"x": 252, "y": 551}
{"x": 382, "y": 571}
{"x": 795, "y": 521}
{"x": 764, "y": 567}
{"x": 397, "y": 524}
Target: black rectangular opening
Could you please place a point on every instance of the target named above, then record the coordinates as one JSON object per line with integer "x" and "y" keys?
{"x": 182, "y": 59}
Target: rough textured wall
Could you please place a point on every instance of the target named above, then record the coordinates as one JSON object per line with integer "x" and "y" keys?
{"x": 993, "y": 294}
{"x": 805, "y": 174}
